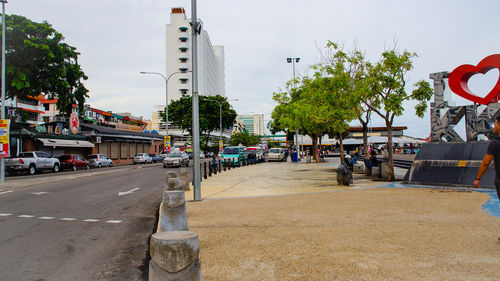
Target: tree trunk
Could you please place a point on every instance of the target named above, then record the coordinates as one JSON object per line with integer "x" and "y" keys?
{"x": 341, "y": 149}
{"x": 314, "y": 139}
{"x": 208, "y": 138}
{"x": 390, "y": 164}
{"x": 365, "y": 143}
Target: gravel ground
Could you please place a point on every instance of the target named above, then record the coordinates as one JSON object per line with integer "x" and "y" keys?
{"x": 372, "y": 234}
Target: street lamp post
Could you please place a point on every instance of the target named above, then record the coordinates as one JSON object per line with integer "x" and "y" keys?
{"x": 166, "y": 92}
{"x": 220, "y": 114}
{"x": 2, "y": 172}
{"x": 293, "y": 61}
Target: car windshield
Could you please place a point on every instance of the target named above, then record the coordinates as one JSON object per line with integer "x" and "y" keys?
{"x": 92, "y": 157}
{"x": 172, "y": 155}
{"x": 26, "y": 154}
{"x": 274, "y": 151}
{"x": 65, "y": 157}
{"x": 139, "y": 154}
{"x": 231, "y": 150}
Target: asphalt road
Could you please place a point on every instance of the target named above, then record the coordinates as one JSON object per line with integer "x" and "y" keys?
{"x": 88, "y": 225}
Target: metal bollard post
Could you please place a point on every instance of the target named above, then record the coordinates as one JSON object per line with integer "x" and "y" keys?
{"x": 209, "y": 170}
{"x": 224, "y": 167}
{"x": 220, "y": 167}
{"x": 205, "y": 170}
{"x": 215, "y": 168}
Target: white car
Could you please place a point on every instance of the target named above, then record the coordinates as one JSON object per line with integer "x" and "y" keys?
{"x": 176, "y": 159}
{"x": 142, "y": 158}
{"x": 99, "y": 160}
{"x": 276, "y": 154}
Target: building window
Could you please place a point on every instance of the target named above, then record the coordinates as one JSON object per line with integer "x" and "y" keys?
{"x": 183, "y": 59}
{"x": 183, "y": 50}
{"x": 132, "y": 150}
{"x": 114, "y": 150}
{"x": 46, "y": 106}
{"x": 184, "y": 92}
{"x": 103, "y": 148}
{"x": 183, "y": 81}
{"x": 123, "y": 150}
{"x": 183, "y": 40}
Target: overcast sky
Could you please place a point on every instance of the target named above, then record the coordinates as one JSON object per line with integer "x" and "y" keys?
{"x": 118, "y": 39}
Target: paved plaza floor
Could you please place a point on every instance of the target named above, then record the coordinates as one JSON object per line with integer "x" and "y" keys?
{"x": 291, "y": 221}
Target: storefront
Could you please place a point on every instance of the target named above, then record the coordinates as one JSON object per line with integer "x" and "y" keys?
{"x": 119, "y": 145}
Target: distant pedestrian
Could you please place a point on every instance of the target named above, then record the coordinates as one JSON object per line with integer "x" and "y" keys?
{"x": 493, "y": 152}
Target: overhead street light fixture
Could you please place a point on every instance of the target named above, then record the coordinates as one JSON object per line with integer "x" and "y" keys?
{"x": 293, "y": 61}
{"x": 166, "y": 92}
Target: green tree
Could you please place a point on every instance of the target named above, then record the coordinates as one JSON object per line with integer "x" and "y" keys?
{"x": 180, "y": 114}
{"x": 37, "y": 61}
{"x": 385, "y": 92}
{"x": 244, "y": 139}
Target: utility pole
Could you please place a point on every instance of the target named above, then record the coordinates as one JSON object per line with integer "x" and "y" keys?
{"x": 293, "y": 60}
{"x": 2, "y": 172}
{"x": 196, "y": 117}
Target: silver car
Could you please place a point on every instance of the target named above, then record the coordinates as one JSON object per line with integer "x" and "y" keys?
{"x": 99, "y": 160}
{"x": 142, "y": 158}
{"x": 176, "y": 159}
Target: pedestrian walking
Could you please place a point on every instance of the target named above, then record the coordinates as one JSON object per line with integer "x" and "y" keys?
{"x": 493, "y": 152}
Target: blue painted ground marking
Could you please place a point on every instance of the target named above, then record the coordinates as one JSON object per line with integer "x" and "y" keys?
{"x": 491, "y": 207}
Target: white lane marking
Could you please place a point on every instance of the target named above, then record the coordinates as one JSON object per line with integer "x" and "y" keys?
{"x": 91, "y": 220}
{"x": 128, "y": 192}
{"x": 39, "y": 193}
{"x": 46, "y": 218}
{"x": 5, "y": 215}
{"x": 67, "y": 219}
{"x": 113, "y": 221}
{"x": 25, "y": 216}
{"x": 3, "y": 192}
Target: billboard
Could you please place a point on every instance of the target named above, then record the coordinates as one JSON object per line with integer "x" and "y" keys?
{"x": 4, "y": 138}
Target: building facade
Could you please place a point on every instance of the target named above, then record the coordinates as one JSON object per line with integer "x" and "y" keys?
{"x": 254, "y": 123}
{"x": 179, "y": 59}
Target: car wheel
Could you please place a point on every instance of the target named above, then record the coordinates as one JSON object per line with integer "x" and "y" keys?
{"x": 99, "y": 165}
{"x": 55, "y": 169}
{"x": 32, "y": 169}
{"x": 110, "y": 164}
{"x": 87, "y": 167}
{"x": 73, "y": 168}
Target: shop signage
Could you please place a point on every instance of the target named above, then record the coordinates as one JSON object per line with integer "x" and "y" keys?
{"x": 221, "y": 145}
{"x": 58, "y": 130}
{"x": 166, "y": 143}
{"x": 41, "y": 129}
{"x": 74, "y": 123}
{"x": 65, "y": 131}
{"x": 4, "y": 138}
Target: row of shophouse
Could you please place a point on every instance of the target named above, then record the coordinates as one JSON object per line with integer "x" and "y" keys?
{"x": 37, "y": 125}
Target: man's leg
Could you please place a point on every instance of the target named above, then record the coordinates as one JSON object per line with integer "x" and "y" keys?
{"x": 497, "y": 185}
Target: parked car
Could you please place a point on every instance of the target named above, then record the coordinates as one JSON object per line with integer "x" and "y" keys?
{"x": 31, "y": 162}
{"x": 142, "y": 158}
{"x": 190, "y": 155}
{"x": 176, "y": 159}
{"x": 238, "y": 153}
{"x": 157, "y": 158}
{"x": 276, "y": 154}
{"x": 73, "y": 162}
{"x": 255, "y": 154}
{"x": 99, "y": 160}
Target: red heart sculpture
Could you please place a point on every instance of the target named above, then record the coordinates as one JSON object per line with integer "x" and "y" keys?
{"x": 460, "y": 77}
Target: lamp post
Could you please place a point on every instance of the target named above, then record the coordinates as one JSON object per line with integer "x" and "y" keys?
{"x": 293, "y": 61}
{"x": 2, "y": 172}
{"x": 166, "y": 92}
{"x": 195, "y": 30}
{"x": 220, "y": 113}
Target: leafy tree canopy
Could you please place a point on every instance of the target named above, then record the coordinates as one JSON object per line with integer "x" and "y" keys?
{"x": 244, "y": 138}
{"x": 180, "y": 113}
{"x": 37, "y": 61}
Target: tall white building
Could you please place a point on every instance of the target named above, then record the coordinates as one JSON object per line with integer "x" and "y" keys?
{"x": 254, "y": 123}
{"x": 179, "y": 55}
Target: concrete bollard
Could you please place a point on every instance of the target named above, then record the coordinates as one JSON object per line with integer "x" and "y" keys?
{"x": 205, "y": 170}
{"x": 359, "y": 168}
{"x": 173, "y": 211}
{"x": 184, "y": 176}
{"x": 175, "y": 256}
{"x": 171, "y": 174}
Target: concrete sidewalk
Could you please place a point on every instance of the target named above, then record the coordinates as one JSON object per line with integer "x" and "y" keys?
{"x": 278, "y": 178}
{"x": 291, "y": 221}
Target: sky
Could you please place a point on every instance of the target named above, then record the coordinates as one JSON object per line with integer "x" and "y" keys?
{"x": 119, "y": 39}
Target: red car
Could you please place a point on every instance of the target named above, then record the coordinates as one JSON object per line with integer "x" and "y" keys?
{"x": 73, "y": 162}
